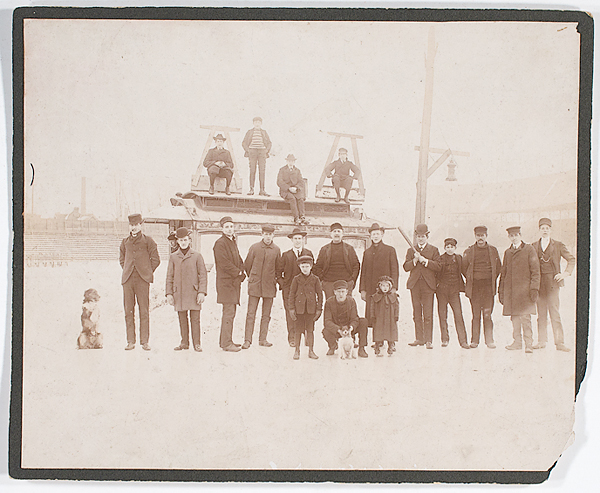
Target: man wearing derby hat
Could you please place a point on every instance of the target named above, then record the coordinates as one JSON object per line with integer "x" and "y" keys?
{"x": 257, "y": 146}
{"x": 519, "y": 287}
{"x": 289, "y": 270}
{"x": 230, "y": 275}
{"x": 378, "y": 260}
{"x": 292, "y": 189}
{"x": 218, "y": 163}
{"x": 549, "y": 252}
{"x": 263, "y": 267}
{"x": 339, "y": 172}
{"x": 422, "y": 263}
{"x": 481, "y": 267}
{"x": 138, "y": 255}
{"x": 174, "y": 246}
{"x": 186, "y": 288}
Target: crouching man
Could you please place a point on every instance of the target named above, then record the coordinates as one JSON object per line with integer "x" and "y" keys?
{"x": 341, "y": 312}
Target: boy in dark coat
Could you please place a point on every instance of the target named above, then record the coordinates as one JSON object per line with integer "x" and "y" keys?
{"x": 340, "y": 312}
{"x": 519, "y": 287}
{"x": 230, "y": 275}
{"x": 289, "y": 270}
{"x": 306, "y": 301}
{"x": 138, "y": 255}
{"x": 449, "y": 285}
{"x": 186, "y": 288}
{"x": 422, "y": 265}
{"x": 384, "y": 311}
{"x": 263, "y": 267}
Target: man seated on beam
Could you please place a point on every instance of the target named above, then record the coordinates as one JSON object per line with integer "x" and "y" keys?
{"x": 339, "y": 172}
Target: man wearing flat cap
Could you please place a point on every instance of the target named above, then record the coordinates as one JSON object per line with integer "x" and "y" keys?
{"x": 257, "y": 146}
{"x": 378, "y": 260}
{"x": 422, "y": 263}
{"x": 339, "y": 172}
{"x": 230, "y": 275}
{"x": 289, "y": 270}
{"x": 481, "y": 267}
{"x": 263, "y": 267}
{"x": 519, "y": 287}
{"x": 218, "y": 163}
{"x": 340, "y": 312}
{"x": 549, "y": 252}
{"x": 292, "y": 188}
{"x": 138, "y": 255}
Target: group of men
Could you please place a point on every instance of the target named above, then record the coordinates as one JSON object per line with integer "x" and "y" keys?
{"x": 527, "y": 280}
{"x": 257, "y": 146}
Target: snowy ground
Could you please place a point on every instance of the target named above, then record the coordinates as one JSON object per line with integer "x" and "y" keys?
{"x": 446, "y": 408}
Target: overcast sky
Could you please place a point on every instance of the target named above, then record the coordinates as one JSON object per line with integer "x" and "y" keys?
{"x": 121, "y": 102}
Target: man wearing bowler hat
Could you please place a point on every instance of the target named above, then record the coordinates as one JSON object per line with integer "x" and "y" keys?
{"x": 378, "y": 260}
{"x": 292, "y": 189}
{"x": 481, "y": 267}
{"x": 519, "y": 287}
{"x": 257, "y": 146}
{"x": 289, "y": 270}
{"x": 230, "y": 275}
{"x": 339, "y": 172}
{"x": 138, "y": 255}
{"x": 218, "y": 163}
{"x": 549, "y": 252}
{"x": 422, "y": 263}
{"x": 263, "y": 267}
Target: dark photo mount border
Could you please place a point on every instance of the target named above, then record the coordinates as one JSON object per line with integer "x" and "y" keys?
{"x": 585, "y": 29}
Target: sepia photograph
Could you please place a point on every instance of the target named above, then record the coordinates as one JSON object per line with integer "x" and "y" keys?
{"x": 302, "y": 244}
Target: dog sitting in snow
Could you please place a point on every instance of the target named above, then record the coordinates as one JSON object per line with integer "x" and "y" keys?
{"x": 346, "y": 343}
{"x": 90, "y": 338}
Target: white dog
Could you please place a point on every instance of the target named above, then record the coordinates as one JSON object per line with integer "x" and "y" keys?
{"x": 346, "y": 343}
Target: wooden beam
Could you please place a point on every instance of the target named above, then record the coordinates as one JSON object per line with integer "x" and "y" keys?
{"x": 329, "y": 160}
{"x": 437, "y": 150}
{"x": 438, "y": 163}
{"x": 339, "y": 134}
{"x": 219, "y": 128}
{"x": 361, "y": 185}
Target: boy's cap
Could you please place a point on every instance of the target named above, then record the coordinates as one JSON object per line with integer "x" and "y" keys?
{"x": 172, "y": 236}
{"x": 305, "y": 259}
{"x": 182, "y": 232}
{"x": 450, "y": 241}
{"x": 297, "y": 231}
{"x": 257, "y": 119}
{"x": 514, "y": 230}
{"x": 375, "y": 227}
{"x": 385, "y": 279}
{"x": 340, "y": 284}
{"x": 226, "y": 219}
{"x": 422, "y": 229}
{"x": 480, "y": 230}
{"x": 135, "y": 219}
{"x": 219, "y": 137}
{"x": 546, "y": 221}
{"x": 343, "y": 150}
{"x": 336, "y": 226}
{"x": 268, "y": 228}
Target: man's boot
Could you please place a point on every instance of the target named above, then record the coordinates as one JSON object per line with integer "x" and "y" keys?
{"x": 337, "y": 193}
{"x": 515, "y": 346}
{"x": 347, "y": 196}
{"x": 227, "y": 192}
{"x": 362, "y": 353}
{"x": 211, "y": 190}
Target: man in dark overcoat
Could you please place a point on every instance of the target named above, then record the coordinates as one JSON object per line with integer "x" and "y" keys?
{"x": 422, "y": 263}
{"x": 549, "y": 252}
{"x": 218, "y": 163}
{"x": 289, "y": 270}
{"x": 339, "y": 172}
{"x": 138, "y": 255}
{"x": 186, "y": 288}
{"x": 292, "y": 188}
{"x": 519, "y": 287}
{"x": 230, "y": 275}
{"x": 257, "y": 146}
{"x": 481, "y": 267}
{"x": 378, "y": 260}
{"x": 263, "y": 267}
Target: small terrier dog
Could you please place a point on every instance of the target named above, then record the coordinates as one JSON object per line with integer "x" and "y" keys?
{"x": 346, "y": 343}
{"x": 90, "y": 338}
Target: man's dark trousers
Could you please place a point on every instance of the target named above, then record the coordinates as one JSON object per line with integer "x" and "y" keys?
{"x": 482, "y": 303}
{"x": 225, "y": 339}
{"x": 135, "y": 288}
{"x": 451, "y": 296}
{"x": 548, "y": 301}
{"x": 257, "y": 157}
{"x": 267, "y": 304}
{"x": 185, "y": 329}
{"x": 422, "y": 301}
